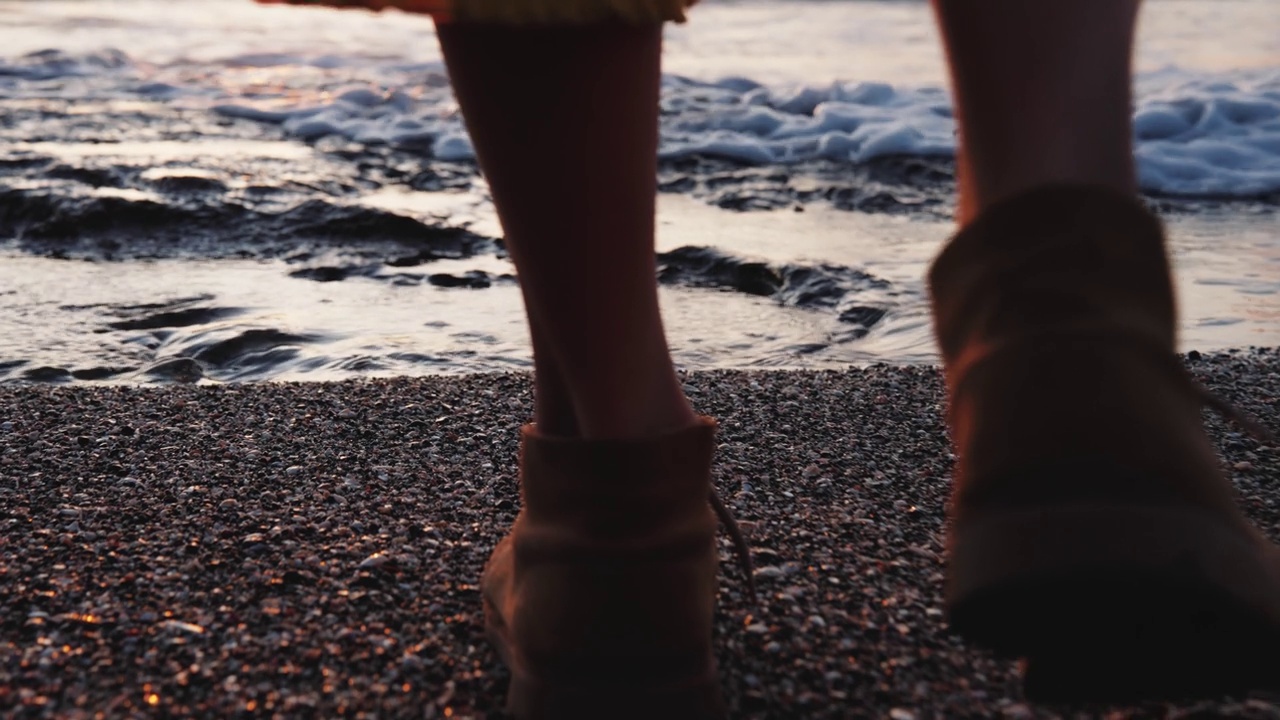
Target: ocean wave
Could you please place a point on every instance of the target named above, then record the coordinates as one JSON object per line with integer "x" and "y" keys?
{"x": 1197, "y": 134}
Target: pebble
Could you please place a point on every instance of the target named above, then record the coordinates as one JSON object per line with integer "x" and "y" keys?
{"x": 184, "y": 627}
{"x": 1017, "y": 711}
{"x": 374, "y": 561}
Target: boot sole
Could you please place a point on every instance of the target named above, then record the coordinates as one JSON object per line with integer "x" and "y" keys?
{"x": 1118, "y": 604}
{"x": 621, "y": 697}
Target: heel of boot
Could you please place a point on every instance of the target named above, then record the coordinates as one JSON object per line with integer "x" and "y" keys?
{"x": 615, "y": 651}
{"x": 1117, "y": 603}
{"x": 698, "y": 699}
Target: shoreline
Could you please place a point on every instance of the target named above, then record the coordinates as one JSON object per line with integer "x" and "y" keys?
{"x": 312, "y": 549}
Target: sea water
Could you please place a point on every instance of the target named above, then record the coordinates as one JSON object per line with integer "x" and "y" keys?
{"x": 159, "y": 160}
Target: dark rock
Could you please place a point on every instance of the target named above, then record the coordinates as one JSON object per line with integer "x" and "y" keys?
{"x": 235, "y": 349}
{"x": 707, "y": 267}
{"x": 176, "y": 318}
{"x": 474, "y": 279}
{"x": 182, "y": 369}
{"x": 46, "y": 373}
{"x": 322, "y": 274}
{"x": 188, "y": 184}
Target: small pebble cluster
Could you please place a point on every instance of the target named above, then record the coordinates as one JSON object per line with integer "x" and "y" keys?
{"x": 312, "y": 550}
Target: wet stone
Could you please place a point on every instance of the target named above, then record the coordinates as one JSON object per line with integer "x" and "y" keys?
{"x": 475, "y": 280}
{"x": 182, "y": 370}
{"x": 47, "y": 374}
{"x": 101, "y": 372}
{"x": 322, "y": 274}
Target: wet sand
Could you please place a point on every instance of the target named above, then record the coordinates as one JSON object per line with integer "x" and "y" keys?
{"x": 312, "y": 550}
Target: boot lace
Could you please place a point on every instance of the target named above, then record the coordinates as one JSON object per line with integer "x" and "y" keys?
{"x": 741, "y": 550}
{"x": 1233, "y": 414}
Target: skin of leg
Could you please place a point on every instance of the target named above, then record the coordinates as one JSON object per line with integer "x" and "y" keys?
{"x": 564, "y": 121}
{"x": 1042, "y": 94}
{"x": 552, "y": 402}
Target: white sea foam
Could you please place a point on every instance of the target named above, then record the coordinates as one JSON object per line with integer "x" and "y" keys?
{"x": 1211, "y": 136}
{"x": 1196, "y": 134}
{"x": 1207, "y": 121}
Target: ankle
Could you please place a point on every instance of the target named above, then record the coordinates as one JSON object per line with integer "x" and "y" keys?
{"x": 629, "y": 421}
{"x": 554, "y": 415}
{"x": 639, "y": 410}
{"x": 976, "y": 198}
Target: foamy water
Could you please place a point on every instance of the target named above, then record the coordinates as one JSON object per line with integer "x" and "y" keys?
{"x": 759, "y": 82}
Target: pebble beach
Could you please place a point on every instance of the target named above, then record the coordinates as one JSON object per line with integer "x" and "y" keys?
{"x": 312, "y": 550}
{"x": 203, "y": 203}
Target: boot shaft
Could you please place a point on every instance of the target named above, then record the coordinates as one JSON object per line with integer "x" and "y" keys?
{"x": 1055, "y": 315}
{"x": 617, "y": 489}
{"x": 609, "y": 574}
{"x": 1058, "y": 257}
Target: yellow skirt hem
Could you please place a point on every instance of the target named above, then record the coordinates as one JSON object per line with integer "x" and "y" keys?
{"x": 523, "y": 12}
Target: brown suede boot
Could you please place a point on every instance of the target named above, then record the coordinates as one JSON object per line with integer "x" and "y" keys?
{"x": 1092, "y": 531}
{"x": 600, "y": 600}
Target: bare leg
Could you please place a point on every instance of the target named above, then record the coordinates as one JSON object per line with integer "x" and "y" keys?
{"x": 1042, "y": 94}
{"x": 596, "y": 580}
{"x": 564, "y": 121}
